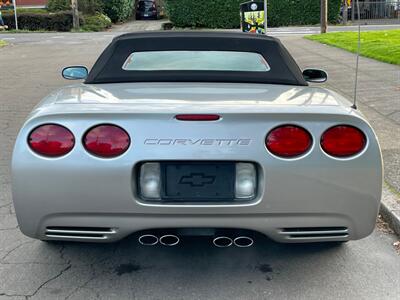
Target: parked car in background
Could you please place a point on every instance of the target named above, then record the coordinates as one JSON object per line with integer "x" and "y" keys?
{"x": 148, "y": 9}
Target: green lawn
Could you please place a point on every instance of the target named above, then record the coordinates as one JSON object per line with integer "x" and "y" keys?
{"x": 381, "y": 45}
{"x": 2, "y": 43}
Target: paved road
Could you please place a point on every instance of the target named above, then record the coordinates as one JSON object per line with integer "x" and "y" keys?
{"x": 365, "y": 269}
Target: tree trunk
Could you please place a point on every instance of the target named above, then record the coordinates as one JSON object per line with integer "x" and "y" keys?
{"x": 75, "y": 14}
{"x": 324, "y": 15}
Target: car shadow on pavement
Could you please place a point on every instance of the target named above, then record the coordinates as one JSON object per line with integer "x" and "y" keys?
{"x": 194, "y": 256}
{"x": 194, "y": 269}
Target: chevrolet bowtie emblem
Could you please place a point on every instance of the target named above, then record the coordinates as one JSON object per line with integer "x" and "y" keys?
{"x": 197, "y": 180}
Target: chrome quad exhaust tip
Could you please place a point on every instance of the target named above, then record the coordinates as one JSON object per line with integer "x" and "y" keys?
{"x": 148, "y": 240}
{"x": 169, "y": 240}
{"x": 222, "y": 242}
{"x": 243, "y": 242}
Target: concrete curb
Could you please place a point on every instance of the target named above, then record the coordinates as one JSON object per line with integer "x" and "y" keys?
{"x": 390, "y": 209}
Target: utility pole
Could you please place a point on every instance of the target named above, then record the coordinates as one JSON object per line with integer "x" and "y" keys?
{"x": 265, "y": 16}
{"x": 345, "y": 12}
{"x": 324, "y": 15}
{"x": 75, "y": 14}
{"x": 15, "y": 14}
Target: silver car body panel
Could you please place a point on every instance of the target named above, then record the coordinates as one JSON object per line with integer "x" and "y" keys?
{"x": 312, "y": 191}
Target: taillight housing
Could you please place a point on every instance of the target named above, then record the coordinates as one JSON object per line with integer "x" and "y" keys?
{"x": 51, "y": 140}
{"x": 288, "y": 141}
{"x": 343, "y": 141}
{"x": 106, "y": 141}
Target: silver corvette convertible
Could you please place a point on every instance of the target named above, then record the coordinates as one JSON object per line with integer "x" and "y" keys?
{"x": 195, "y": 133}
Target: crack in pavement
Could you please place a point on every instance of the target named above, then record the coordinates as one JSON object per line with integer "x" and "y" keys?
{"x": 14, "y": 295}
{"x": 15, "y": 248}
{"x": 48, "y": 281}
{"x": 94, "y": 275}
{"x": 11, "y": 228}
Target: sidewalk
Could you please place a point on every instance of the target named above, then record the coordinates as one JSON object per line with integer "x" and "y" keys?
{"x": 304, "y": 30}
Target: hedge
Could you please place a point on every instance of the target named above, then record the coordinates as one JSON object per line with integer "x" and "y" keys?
{"x": 118, "y": 10}
{"x": 225, "y": 13}
{"x": 300, "y": 12}
{"x": 204, "y": 13}
{"x": 61, "y": 21}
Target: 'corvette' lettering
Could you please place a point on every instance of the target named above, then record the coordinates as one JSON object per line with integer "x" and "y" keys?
{"x": 196, "y": 142}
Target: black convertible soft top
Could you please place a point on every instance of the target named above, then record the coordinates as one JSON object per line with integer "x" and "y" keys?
{"x": 108, "y": 68}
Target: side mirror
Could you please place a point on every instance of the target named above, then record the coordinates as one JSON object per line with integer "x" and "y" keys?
{"x": 315, "y": 75}
{"x": 75, "y": 73}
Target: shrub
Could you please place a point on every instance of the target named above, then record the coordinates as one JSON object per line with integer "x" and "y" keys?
{"x": 118, "y": 10}
{"x": 61, "y": 21}
{"x": 90, "y": 7}
{"x": 85, "y": 6}
{"x": 59, "y": 5}
{"x": 225, "y": 14}
{"x": 97, "y": 22}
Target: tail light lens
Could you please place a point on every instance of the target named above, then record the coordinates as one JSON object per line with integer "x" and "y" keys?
{"x": 343, "y": 141}
{"x": 288, "y": 141}
{"x": 106, "y": 141}
{"x": 51, "y": 140}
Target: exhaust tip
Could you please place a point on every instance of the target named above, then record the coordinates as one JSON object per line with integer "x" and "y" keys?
{"x": 243, "y": 241}
{"x": 222, "y": 242}
{"x": 148, "y": 240}
{"x": 169, "y": 240}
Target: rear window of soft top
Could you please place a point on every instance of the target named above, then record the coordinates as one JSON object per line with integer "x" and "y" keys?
{"x": 196, "y": 61}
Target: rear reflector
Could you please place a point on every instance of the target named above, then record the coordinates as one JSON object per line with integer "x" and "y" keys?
{"x": 51, "y": 140}
{"x": 197, "y": 117}
{"x": 343, "y": 141}
{"x": 106, "y": 141}
{"x": 288, "y": 141}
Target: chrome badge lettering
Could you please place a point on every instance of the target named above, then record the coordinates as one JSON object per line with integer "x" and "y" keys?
{"x": 198, "y": 142}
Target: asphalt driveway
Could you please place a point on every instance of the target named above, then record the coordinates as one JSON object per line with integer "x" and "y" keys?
{"x": 365, "y": 269}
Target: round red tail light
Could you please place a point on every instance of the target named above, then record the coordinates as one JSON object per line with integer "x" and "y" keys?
{"x": 343, "y": 141}
{"x": 106, "y": 141}
{"x": 288, "y": 141}
{"x": 51, "y": 140}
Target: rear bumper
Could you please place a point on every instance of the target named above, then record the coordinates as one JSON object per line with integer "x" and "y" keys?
{"x": 149, "y": 14}
{"x": 293, "y": 228}
{"x": 86, "y": 191}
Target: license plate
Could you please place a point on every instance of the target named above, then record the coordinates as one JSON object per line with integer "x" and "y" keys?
{"x": 146, "y": 15}
{"x": 193, "y": 181}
